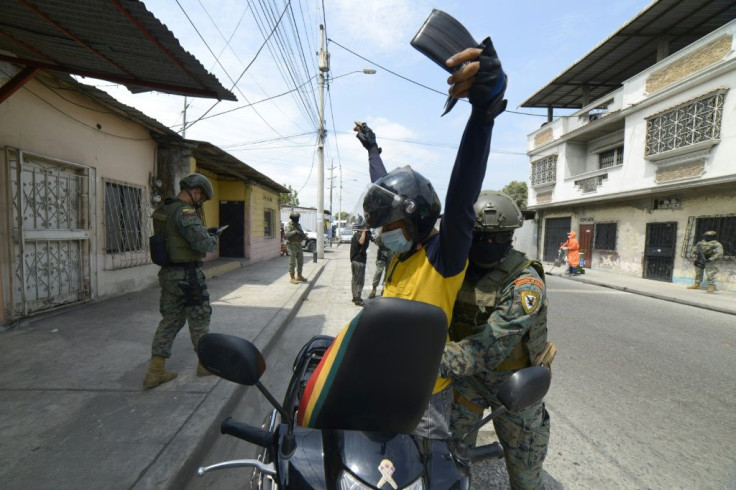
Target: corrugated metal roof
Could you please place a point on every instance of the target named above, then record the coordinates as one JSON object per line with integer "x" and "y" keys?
{"x": 116, "y": 40}
{"x": 632, "y": 49}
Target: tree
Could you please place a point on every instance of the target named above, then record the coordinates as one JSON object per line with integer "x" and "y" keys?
{"x": 517, "y": 191}
{"x": 290, "y": 198}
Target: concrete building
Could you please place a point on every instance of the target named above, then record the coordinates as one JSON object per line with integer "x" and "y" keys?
{"x": 646, "y": 162}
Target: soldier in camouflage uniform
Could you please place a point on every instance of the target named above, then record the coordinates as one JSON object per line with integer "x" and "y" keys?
{"x": 383, "y": 259}
{"x": 706, "y": 252}
{"x": 184, "y": 295}
{"x": 499, "y": 326}
{"x": 294, "y": 236}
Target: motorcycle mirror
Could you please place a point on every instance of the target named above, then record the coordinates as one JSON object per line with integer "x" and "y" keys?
{"x": 231, "y": 358}
{"x": 524, "y": 388}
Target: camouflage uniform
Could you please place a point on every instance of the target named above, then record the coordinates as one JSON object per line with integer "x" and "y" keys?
{"x": 184, "y": 293}
{"x": 499, "y": 326}
{"x": 383, "y": 259}
{"x": 294, "y": 236}
{"x": 712, "y": 250}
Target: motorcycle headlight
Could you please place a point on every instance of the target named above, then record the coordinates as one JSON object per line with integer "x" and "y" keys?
{"x": 349, "y": 482}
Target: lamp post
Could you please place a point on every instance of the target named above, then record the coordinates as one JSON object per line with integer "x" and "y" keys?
{"x": 324, "y": 67}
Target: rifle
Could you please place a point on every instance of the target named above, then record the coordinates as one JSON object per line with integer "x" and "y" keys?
{"x": 700, "y": 259}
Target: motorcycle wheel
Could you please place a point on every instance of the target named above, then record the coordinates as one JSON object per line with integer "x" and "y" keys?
{"x": 258, "y": 480}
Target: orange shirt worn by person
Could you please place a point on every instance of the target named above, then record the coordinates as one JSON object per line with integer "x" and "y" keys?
{"x": 573, "y": 250}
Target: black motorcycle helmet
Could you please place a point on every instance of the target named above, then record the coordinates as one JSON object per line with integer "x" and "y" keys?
{"x": 403, "y": 194}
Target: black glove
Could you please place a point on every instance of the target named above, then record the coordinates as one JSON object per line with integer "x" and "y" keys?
{"x": 213, "y": 231}
{"x": 367, "y": 137}
{"x": 486, "y": 94}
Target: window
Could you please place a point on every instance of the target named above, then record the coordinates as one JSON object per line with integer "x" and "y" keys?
{"x": 605, "y": 237}
{"x": 544, "y": 170}
{"x": 611, "y": 158}
{"x": 123, "y": 218}
{"x": 268, "y": 223}
{"x": 724, "y": 225}
{"x": 693, "y": 122}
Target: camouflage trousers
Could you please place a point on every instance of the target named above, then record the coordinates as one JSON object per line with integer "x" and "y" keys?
{"x": 358, "y": 282}
{"x": 710, "y": 273}
{"x": 178, "y": 306}
{"x": 524, "y": 435}
{"x": 296, "y": 257}
{"x": 381, "y": 265}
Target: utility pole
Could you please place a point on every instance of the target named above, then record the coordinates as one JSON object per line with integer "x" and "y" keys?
{"x": 184, "y": 119}
{"x": 324, "y": 67}
{"x": 332, "y": 185}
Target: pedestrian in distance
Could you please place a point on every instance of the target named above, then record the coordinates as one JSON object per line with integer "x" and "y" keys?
{"x": 429, "y": 264}
{"x": 184, "y": 296}
{"x": 499, "y": 326}
{"x": 706, "y": 252}
{"x": 358, "y": 257}
{"x": 383, "y": 259}
{"x": 572, "y": 247}
{"x": 294, "y": 236}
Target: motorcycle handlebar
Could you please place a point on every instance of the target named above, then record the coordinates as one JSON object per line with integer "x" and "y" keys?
{"x": 489, "y": 451}
{"x": 246, "y": 432}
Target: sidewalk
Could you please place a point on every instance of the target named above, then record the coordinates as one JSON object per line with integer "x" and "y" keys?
{"x": 73, "y": 413}
{"x": 722, "y": 301}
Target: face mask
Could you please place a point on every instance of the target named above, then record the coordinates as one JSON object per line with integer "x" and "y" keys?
{"x": 485, "y": 255}
{"x": 395, "y": 241}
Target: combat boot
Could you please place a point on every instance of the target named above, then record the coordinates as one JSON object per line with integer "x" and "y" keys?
{"x": 711, "y": 288}
{"x": 293, "y": 281}
{"x": 372, "y": 294}
{"x": 694, "y": 286}
{"x": 300, "y": 277}
{"x": 156, "y": 374}
{"x": 201, "y": 371}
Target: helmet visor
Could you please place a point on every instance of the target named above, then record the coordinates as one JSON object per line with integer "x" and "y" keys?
{"x": 382, "y": 206}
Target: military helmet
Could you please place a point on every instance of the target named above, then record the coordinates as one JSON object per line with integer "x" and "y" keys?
{"x": 294, "y": 215}
{"x": 710, "y": 234}
{"x": 195, "y": 180}
{"x": 403, "y": 194}
{"x": 496, "y": 212}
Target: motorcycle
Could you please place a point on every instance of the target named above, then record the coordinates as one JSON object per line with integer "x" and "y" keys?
{"x": 360, "y": 431}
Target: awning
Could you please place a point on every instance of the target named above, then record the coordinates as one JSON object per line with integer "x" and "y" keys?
{"x": 115, "y": 40}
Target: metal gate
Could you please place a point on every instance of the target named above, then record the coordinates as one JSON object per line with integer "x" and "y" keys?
{"x": 555, "y": 233}
{"x": 659, "y": 251}
{"x": 51, "y": 219}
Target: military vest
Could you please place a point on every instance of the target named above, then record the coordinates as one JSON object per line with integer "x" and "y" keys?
{"x": 178, "y": 248}
{"x": 477, "y": 299}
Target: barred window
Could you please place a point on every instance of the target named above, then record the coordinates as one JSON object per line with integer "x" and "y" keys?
{"x": 611, "y": 157}
{"x": 544, "y": 170}
{"x": 268, "y": 223}
{"x": 694, "y": 122}
{"x": 725, "y": 226}
{"x": 123, "y": 218}
{"x": 605, "y": 236}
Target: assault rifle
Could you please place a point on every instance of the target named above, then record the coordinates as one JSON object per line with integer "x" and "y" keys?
{"x": 700, "y": 259}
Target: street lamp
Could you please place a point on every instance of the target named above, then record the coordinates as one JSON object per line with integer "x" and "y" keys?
{"x": 324, "y": 67}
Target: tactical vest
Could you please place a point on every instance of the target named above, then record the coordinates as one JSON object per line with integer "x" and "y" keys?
{"x": 477, "y": 299}
{"x": 178, "y": 248}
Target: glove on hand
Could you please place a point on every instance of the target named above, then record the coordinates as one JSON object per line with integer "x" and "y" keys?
{"x": 213, "y": 231}
{"x": 486, "y": 93}
{"x": 366, "y": 136}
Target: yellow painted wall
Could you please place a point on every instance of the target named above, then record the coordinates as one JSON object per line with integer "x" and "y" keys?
{"x": 261, "y": 200}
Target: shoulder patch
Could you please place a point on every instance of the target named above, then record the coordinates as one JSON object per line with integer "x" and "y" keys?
{"x": 188, "y": 212}
{"x": 529, "y": 280}
{"x": 529, "y": 301}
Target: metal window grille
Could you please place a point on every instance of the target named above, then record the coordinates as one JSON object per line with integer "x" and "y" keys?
{"x": 544, "y": 170}
{"x": 268, "y": 223}
{"x": 694, "y": 122}
{"x": 126, "y": 225}
{"x": 605, "y": 237}
{"x": 611, "y": 158}
{"x": 723, "y": 224}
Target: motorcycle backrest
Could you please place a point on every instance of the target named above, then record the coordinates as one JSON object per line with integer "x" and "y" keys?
{"x": 231, "y": 358}
{"x": 524, "y": 388}
{"x": 379, "y": 373}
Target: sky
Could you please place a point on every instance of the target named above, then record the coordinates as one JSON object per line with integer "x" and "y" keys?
{"x": 536, "y": 40}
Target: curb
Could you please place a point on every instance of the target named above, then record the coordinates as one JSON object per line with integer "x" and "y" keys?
{"x": 177, "y": 464}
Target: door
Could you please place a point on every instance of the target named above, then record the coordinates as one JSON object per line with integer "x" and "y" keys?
{"x": 51, "y": 232}
{"x": 659, "y": 251}
{"x": 232, "y": 240}
{"x": 585, "y": 238}
{"x": 555, "y": 233}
